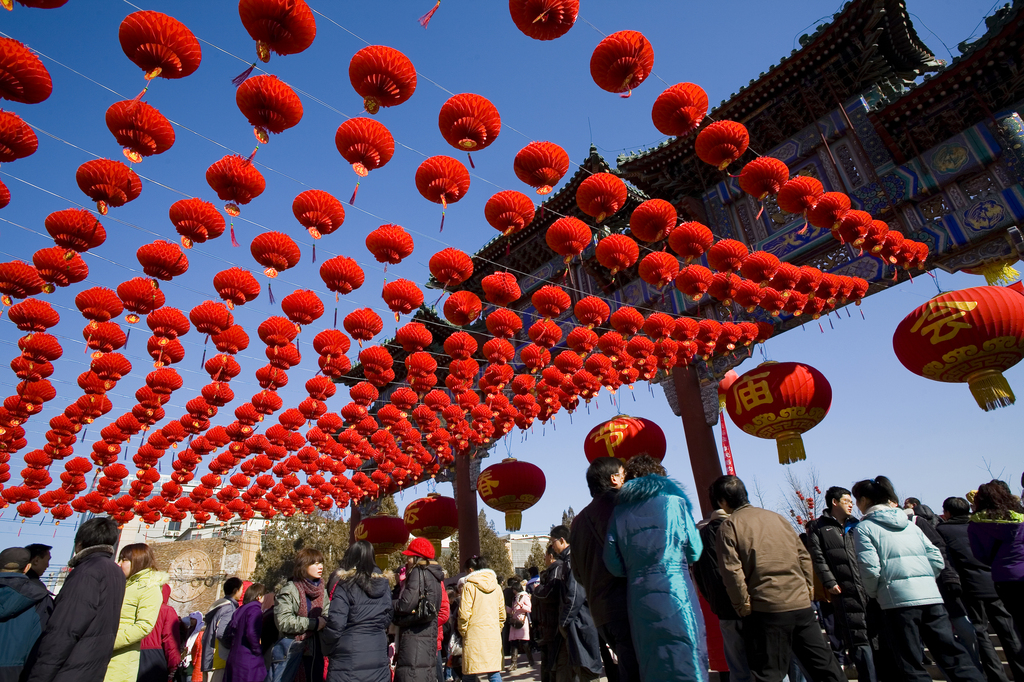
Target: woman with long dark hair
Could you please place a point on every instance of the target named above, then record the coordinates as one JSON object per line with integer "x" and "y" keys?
{"x": 140, "y": 610}
{"x": 300, "y": 611}
{"x": 242, "y": 639}
{"x": 996, "y": 533}
{"x": 898, "y": 565}
{"x": 356, "y": 637}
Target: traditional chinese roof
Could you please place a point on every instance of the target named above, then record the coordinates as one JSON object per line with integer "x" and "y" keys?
{"x": 869, "y": 44}
{"x": 526, "y": 251}
{"x": 987, "y": 76}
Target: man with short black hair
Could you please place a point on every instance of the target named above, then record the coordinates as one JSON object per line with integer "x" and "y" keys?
{"x": 830, "y": 542}
{"x": 215, "y": 658}
{"x": 78, "y": 640}
{"x": 39, "y": 561}
{"x": 25, "y": 606}
{"x": 983, "y": 606}
{"x": 768, "y": 575}
{"x": 606, "y": 594}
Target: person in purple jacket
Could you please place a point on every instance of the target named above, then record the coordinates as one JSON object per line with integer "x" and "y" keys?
{"x": 242, "y": 639}
{"x": 996, "y": 532}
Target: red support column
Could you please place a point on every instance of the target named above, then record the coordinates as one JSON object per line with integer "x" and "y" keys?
{"x": 465, "y": 500}
{"x": 700, "y": 438}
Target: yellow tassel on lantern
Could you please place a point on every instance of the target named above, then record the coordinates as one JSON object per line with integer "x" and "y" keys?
{"x": 991, "y": 390}
{"x": 999, "y": 273}
{"x": 513, "y": 520}
{"x": 791, "y": 448}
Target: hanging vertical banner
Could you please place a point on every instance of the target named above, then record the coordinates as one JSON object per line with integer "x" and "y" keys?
{"x": 730, "y": 468}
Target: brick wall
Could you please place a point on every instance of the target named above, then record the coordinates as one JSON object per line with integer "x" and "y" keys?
{"x": 198, "y": 568}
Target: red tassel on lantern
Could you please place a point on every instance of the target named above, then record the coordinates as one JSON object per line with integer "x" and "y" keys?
{"x": 352, "y": 200}
{"x": 425, "y": 19}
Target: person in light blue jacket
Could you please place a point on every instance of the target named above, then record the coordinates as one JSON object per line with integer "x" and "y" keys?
{"x": 652, "y": 540}
{"x": 898, "y": 566}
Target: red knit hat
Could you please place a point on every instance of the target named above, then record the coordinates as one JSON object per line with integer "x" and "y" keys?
{"x": 420, "y": 547}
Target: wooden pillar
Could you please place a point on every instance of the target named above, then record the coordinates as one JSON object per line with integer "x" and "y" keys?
{"x": 357, "y": 517}
{"x": 700, "y": 438}
{"x": 465, "y": 500}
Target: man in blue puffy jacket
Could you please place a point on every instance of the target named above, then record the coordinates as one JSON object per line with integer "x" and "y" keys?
{"x": 25, "y": 605}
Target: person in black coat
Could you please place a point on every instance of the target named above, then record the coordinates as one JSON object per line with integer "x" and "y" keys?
{"x": 78, "y": 641}
{"x": 416, "y": 659}
{"x": 606, "y": 593}
{"x": 25, "y": 606}
{"x": 830, "y": 542}
{"x": 356, "y": 636}
{"x": 983, "y": 605}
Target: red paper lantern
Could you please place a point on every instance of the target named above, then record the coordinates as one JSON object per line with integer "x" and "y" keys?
{"x": 679, "y": 110}
{"x": 139, "y": 128}
{"x": 17, "y": 139}
{"x": 627, "y": 320}
{"x": 108, "y": 183}
{"x": 568, "y": 237}
{"x": 828, "y": 210}
{"x": 760, "y": 267}
{"x": 625, "y": 437}
{"x": 723, "y": 287}
{"x": 541, "y": 165}
{"x": 601, "y": 195}
{"x": 75, "y": 229}
{"x": 275, "y": 251}
{"x": 721, "y": 143}
{"x": 389, "y": 244}
{"x": 402, "y": 296}
{"x": 451, "y": 267}
{"x": 211, "y": 318}
{"x": 442, "y": 180}
{"x": 236, "y": 286}
{"x": 159, "y": 45}
{"x": 690, "y": 240}
{"x": 5, "y": 195}
{"x": 140, "y": 296}
{"x": 616, "y": 252}
{"x": 462, "y": 308}
{"x": 874, "y": 238}
{"x": 23, "y": 78}
{"x": 694, "y": 280}
{"x": 364, "y": 143}
{"x": 853, "y": 228}
{"x": 318, "y": 212}
{"x": 382, "y": 76}
{"x": 544, "y": 19}
{"x": 780, "y": 401}
{"x": 799, "y": 194}
{"x": 302, "y": 307}
{"x": 33, "y": 316}
{"x": 727, "y": 255}
{"x": 281, "y": 26}
{"x": 432, "y": 517}
{"x": 469, "y": 122}
{"x": 387, "y": 534}
{"x": 509, "y": 211}
{"x": 652, "y": 220}
{"x": 969, "y": 336}
{"x": 659, "y": 269}
{"x": 622, "y": 61}
{"x": 236, "y": 181}
{"x": 500, "y": 288}
{"x": 591, "y": 311}
{"x": 550, "y": 301}
{"x": 269, "y": 105}
{"x": 341, "y": 274}
{"x": 512, "y": 487}
{"x": 196, "y": 221}
{"x": 56, "y": 269}
{"x": 98, "y": 304}
{"x": 763, "y": 176}
{"x": 162, "y": 260}
{"x": 413, "y": 337}
{"x": 363, "y": 324}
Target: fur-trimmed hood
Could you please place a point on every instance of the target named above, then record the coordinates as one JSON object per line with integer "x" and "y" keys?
{"x": 377, "y": 585}
{"x": 646, "y": 487}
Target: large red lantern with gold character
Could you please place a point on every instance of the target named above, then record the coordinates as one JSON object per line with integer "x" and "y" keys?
{"x": 971, "y": 335}
{"x": 625, "y": 437}
{"x": 512, "y": 487}
{"x": 432, "y": 517}
{"x": 387, "y": 534}
{"x": 780, "y": 400}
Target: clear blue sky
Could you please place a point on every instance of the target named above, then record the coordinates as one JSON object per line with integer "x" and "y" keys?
{"x": 930, "y": 438}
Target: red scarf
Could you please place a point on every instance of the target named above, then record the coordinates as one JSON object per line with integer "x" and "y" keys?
{"x": 309, "y": 591}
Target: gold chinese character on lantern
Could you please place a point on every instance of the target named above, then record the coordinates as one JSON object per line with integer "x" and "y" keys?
{"x": 611, "y": 434}
{"x": 485, "y": 484}
{"x": 942, "y": 318}
{"x": 412, "y": 514}
{"x": 361, "y": 532}
{"x": 749, "y": 392}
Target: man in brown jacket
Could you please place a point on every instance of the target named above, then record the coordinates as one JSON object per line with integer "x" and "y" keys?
{"x": 769, "y": 577}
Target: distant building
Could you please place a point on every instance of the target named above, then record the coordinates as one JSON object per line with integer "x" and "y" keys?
{"x": 520, "y": 544}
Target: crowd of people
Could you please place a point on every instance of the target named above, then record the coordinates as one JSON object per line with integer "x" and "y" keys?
{"x": 635, "y": 590}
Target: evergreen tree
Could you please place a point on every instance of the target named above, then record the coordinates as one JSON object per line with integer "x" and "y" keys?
{"x": 283, "y": 537}
{"x": 567, "y": 517}
{"x": 492, "y": 548}
{"x": 536, "y": 557}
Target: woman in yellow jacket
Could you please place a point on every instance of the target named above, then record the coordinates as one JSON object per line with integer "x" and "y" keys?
{"x": 139, "y": 610}
{"x": 481, "y": 617}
